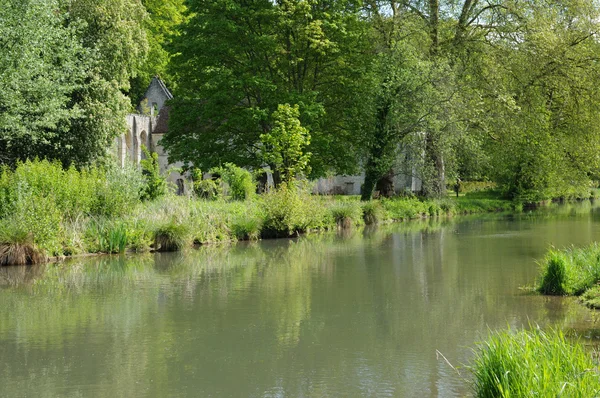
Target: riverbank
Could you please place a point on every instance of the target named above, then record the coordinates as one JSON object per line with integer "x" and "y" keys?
{"x": 49, "y": 212}
{"x": 172, "y": 223}
{"x": 572, "y": 272}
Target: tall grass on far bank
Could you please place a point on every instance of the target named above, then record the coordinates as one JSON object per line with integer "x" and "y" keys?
{"x": 533, "y": 364}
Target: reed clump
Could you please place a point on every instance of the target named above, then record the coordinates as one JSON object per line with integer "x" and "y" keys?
{"x": 533, "y": 363}
{"x": 570, "y": 271}
{"x": 171, "y": 237}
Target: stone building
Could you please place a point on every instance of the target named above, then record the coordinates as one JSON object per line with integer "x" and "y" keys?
{"x": 147, "y": 128}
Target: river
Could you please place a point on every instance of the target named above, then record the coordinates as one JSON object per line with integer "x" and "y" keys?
{"x": 375, "y": 312}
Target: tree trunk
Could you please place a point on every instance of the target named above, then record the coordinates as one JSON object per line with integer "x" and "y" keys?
{"x": 436, "y": 186}
{"x": 385, "y": 185}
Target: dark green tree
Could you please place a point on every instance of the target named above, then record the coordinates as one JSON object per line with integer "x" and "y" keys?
{"x": 236, "y": 61}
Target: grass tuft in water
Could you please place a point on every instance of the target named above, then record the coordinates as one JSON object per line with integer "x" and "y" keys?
{"x": 554, "y": 278}
{"x": 170, "y": 237}
{"x": 17, "y": 247}
{"x": 347, "y": 214}
{"x": 533, "y": 364}
{"x": 570, "y": 271}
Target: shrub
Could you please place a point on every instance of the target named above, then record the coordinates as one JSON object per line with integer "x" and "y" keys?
{"x": 404, "y": 209}
{"x": 533, "y": 363}
{"x": 570, "y": 271}
{"x": 40, "y": 218}
{"x": 240, "y": 181}
{"x": 119, "y": 191}
{"x": 155, "y": 184}
{"x": 205, "y": 189}
{"x": 291, "y": 210}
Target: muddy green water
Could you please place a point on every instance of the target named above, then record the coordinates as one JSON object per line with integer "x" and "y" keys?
{"x": 363, "y": 313}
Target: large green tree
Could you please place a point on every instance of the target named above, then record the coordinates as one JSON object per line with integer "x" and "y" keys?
{"x": 64, "y": 68}
{"x": 539, "y": 91}
{"x": 42, "y": 65}
{"x": 236, "y": 61}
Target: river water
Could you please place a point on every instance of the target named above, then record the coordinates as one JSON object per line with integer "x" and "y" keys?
{"x": 375, "y": 312}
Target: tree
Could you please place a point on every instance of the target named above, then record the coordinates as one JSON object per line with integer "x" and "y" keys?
{"x": 64, "y": 66}
{"x": 285, "y": 143}
{"x": 236, "y": 61}
{"x": 42, "y": 65}
{"x": 160, "y": 26}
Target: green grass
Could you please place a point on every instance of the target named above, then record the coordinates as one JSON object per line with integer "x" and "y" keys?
{"x": 571, "y": 271}
{"x": 347, "y": 213}
{"x": 533, "y": 364}
{"x": 171, "y": 237}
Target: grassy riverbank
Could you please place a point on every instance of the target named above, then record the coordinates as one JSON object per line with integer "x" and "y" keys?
{"x": 46, "y": 211}
{"x": 572, "y": 271}
{"x": 534, "y": 363}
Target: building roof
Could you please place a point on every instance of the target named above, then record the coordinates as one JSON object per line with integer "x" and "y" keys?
{"x": 157, "y": 81}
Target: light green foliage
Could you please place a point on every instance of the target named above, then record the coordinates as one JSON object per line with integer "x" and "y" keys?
{"x": 171, "y": 236}
{"x": 155, "y": 183}
{"x": 554, "y": 279}
{"x": 119, "y": 190}
{"x": 284, "y": 145}
{"x": 107, "y": 236}
{"x": 533, "y": 363}
{"x": 372, "y": 212}
{"x": 290, "y": 210}
{"x": 42, "y": 64}
{"x": 38, "y": 217}
{"x": 239, "y": 181}
{"x": 161, "y": 24}
{"x": 205, "y": 189}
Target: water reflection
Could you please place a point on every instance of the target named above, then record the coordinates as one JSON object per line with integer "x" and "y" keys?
{"x": 352, "y": 314}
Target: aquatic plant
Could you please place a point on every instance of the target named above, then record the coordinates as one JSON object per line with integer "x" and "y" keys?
{"x": 532, "y": 363}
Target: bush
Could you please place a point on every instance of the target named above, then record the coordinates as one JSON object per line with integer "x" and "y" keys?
{"x": 404, "y": 209}
{"x": 240, "y": 181}
{"x": 107, "y": 236}
{"x": 155, "y": 184}
{"x": 17, "y": 247}
{"x": 533, "y": 363}
{"x": 119, "y": 190}
{"x": 205, "y": 189}
{"x": 246, "y": 228}
{"x": 291, "y": 210}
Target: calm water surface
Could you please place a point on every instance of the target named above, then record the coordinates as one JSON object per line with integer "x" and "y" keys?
{"x": 363, "y": 313}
